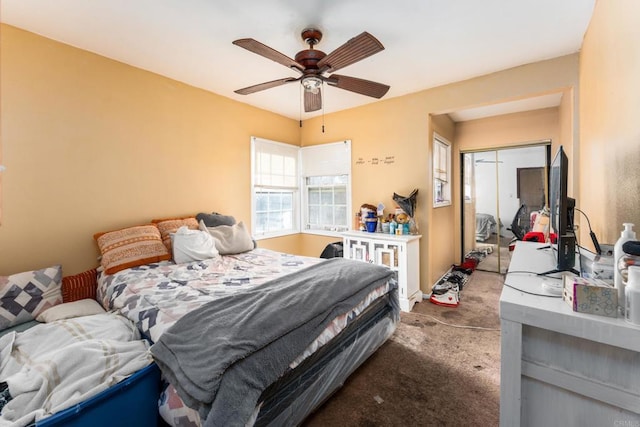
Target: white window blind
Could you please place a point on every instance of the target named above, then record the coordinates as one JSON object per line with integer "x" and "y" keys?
{"x": 274, "y": 188}
{"x": 441, "y": 172}
{"x": 326, "y": 159}
{"x": 440, "y": 166}
{"x": 326, "y": 193}
{"x": 275, "y": 164}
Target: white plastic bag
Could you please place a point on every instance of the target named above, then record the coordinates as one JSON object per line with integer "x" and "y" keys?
{"x": 192, "y": 245}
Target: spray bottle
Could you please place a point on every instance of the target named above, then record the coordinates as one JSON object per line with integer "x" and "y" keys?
{"x": 626, "y": 235}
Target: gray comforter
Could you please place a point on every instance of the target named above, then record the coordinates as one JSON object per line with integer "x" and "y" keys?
{"x": 221, "y": 356}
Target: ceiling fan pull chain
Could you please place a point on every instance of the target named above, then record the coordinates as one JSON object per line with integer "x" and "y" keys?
{"x": 323, "y": 102}
{"x": 300, "y": 93}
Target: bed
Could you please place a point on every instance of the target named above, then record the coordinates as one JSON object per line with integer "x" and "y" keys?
{"x": 254, "y": 338}
{"x": 485, "y": 226}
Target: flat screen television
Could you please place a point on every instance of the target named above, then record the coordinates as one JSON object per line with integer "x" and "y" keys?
{"x": 562, "y": 210}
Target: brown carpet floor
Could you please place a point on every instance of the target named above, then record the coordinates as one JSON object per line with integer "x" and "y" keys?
{"x": 428, "y": 373}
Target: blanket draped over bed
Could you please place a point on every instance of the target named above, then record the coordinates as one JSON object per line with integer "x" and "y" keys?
{"x": 53, "y": 366}
{"x": 221, "y": 356}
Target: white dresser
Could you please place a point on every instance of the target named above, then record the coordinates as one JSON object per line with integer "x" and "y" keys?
{"x": 559, "y": 367}
{"x": 400, "y": 253}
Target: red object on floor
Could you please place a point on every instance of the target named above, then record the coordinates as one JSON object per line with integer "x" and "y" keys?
{"x": 534, "y": 236}
{"x": 470, "y": 263}
{"x": 553, "y": 237}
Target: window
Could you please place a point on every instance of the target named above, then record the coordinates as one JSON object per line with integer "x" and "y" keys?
{"x": 274, "y": 177}
{"x": 326, "y": 175}
{"x": 323, "y": 172}
{"x": 326, "y": 207}
{"x": 441, "y": 172}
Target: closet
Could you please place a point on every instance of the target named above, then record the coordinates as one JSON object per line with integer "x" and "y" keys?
{"x": 499, "y": 186}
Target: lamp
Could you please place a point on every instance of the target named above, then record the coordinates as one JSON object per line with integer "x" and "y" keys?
{"x": 311, "y": 84}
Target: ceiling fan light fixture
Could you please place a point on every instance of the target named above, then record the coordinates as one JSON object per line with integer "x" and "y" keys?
{"x": 311, "y": 84}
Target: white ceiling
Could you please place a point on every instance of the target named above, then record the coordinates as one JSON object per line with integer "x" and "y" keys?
{"x": 427, "y": 43}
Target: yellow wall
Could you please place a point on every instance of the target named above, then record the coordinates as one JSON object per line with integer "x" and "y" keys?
{"x": 91, "y": 144}
{"x": 609, "y": 119}
{"x": 400, "y": 128}
{"x": 508, "y": 130}
{"x": 504, "y": 131}
{"x": 444, "y": 219}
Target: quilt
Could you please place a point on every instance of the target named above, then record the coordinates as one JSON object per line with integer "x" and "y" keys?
{"x": 155, "y": 296}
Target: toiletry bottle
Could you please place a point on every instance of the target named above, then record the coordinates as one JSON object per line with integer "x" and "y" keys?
{"x": 632, "y": 296}
{"x": 392, "y": 226}
{"x": 626, "y": 235}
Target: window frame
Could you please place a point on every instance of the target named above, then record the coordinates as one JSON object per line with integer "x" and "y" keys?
{"x": 320, "y": 160}
{"x": 294, "y": 190}
{"x": 323, "y": 166}
{"x": 306, "y": 206}
{"x": 441, "y": 147}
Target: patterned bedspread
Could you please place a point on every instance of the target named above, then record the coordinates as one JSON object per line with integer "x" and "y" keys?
{"x": 155, "y": 296}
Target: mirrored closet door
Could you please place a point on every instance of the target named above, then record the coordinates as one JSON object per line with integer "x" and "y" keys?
{"x": 501, "y": 188}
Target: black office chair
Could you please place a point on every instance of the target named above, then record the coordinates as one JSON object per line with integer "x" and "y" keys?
{"x": 521, "y": 223}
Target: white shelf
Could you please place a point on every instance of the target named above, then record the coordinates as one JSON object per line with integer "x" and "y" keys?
{"x": 400, "y": 253}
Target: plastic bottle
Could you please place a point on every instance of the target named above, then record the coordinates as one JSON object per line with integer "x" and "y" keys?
{"x": 632, "y": 296}
{"x": 393, "y": 226}
{"x": 626, "y": 235}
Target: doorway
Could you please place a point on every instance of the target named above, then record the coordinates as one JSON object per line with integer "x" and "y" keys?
{"x": 499, "y": 186}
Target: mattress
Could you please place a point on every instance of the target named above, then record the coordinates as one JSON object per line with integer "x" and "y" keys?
{"x": 156, "y": 296}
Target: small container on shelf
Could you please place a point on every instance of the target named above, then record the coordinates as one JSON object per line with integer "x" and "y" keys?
{"x": 371, "y": 224}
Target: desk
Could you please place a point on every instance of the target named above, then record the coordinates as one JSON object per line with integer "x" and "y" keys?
{"x": 559, "y": 367}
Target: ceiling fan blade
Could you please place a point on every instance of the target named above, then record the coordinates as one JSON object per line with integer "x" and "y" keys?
{"x": 356, "y": 49}
{"x": 312, "y": 101}
{"x": 269, "y": 53}
{"x": 265, "y": 85}
{"x": 361, "y": 86}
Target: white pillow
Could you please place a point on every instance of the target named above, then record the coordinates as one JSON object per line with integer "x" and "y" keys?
{"x": 230, "y": 239}
{"x": 67, "y": 310}
{"x": 192, "y": 245}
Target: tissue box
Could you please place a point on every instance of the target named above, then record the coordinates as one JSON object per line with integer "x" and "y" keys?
{"x": 597, "y": 266}
{"x": 592, "y": 296}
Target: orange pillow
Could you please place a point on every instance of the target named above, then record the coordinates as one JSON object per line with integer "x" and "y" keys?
{"x": 80, "y": 286}
{"x": 131, "y": 247}
{"x": 171, "y": 225}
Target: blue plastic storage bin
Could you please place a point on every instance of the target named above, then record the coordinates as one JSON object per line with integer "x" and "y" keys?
{"x": 131, "y": 402}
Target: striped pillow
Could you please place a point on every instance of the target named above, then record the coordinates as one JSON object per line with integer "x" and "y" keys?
{"x": 171, "y": 225}
{"x": 131, "y": 247}
{"x": 81, "y": 286}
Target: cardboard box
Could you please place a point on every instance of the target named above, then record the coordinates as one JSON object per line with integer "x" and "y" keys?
{"x": 592, "y": 296}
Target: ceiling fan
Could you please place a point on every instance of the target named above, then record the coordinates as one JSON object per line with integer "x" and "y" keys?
{"x": 312, "y": 64}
